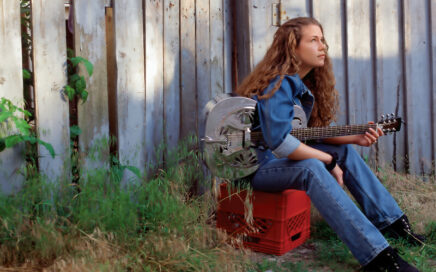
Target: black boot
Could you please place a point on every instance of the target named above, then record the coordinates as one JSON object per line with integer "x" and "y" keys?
{"x": 401, "y": 229}
{"x": 389, "y": 260}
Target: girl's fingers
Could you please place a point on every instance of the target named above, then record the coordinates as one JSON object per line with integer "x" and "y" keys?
{"x": 371, "y": 137}
{"x": 380, "y": 131}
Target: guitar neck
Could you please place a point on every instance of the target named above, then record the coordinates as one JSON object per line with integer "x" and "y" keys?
{"x": 315, "y": 133}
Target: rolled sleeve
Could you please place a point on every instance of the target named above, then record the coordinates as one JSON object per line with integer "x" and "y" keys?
{"x": 289, "y": 144}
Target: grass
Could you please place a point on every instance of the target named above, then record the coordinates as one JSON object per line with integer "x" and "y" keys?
{"x": 155, "y": 224}
{"x": 152, "y": 224}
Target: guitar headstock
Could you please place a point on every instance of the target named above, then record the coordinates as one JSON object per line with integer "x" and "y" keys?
{"x": 389, "y": 123}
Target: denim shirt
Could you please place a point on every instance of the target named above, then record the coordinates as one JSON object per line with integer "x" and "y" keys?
{"x": 276, "y": 114}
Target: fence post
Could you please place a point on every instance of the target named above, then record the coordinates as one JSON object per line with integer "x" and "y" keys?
{"x": 52, "y": 107}
{"x": 11, "y": 87}
{"x": 93, "y": 115}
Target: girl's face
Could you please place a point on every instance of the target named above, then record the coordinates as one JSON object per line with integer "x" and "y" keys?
{"x": 312, "y": 50}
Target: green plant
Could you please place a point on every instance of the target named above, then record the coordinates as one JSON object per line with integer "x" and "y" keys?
{"x": 76, "y": 86}
{"x": 145, "y": 225}
{"x": 9, "y": 120}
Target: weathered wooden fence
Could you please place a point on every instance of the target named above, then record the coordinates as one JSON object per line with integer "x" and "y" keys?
{"x": 157, "y": 63}
{"x": 384, "y": 58}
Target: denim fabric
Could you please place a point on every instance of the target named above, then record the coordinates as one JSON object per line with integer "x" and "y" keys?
{"x": 276, "y": 113}
{"x": 358, "y": 229}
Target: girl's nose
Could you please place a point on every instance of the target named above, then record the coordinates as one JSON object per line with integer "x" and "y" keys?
{"x": 321, "y": 46}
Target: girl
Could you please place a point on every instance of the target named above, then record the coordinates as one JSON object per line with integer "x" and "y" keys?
{"x": 296, "y": 70}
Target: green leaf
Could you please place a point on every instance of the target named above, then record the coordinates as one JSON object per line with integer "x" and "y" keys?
{"x": 75, "y": 131}
{"x": 22, "y": 126}
{"x": 30, "y": 139}
{"x": 70, "y": 92}
{"x": 48, "y": 146}
{"x": 134, "y": 170}
{"x": 88, "y": 65}
{"x": 84, "y": 96}
{"x": 5, "y": 115}
{"x": 80, "y": 84}
{"x": 74, "y": 78}
{"x": 12, "y": 140}
{"x": 27, "y": 74}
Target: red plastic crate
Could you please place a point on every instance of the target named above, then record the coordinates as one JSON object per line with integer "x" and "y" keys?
{"x": 281, "y": 220}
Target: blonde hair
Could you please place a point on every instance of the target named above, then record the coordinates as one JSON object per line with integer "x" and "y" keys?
{"x": 280, "y": 60}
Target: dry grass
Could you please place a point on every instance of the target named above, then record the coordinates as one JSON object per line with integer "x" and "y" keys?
{"x": 415, "y": 196}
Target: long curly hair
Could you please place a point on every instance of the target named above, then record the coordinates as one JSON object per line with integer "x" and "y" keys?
{"x": 280, "y": 60}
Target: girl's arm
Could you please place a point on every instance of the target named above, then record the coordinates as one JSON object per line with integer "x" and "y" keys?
{"x": 304, "y": 151}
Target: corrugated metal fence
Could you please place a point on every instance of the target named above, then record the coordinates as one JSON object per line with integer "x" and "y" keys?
{"x": 384, "y": 57}
{"x": 157, "y": 63}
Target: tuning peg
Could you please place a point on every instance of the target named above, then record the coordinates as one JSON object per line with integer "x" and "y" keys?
{"x": 382, "y": 116}
{"x": 393, "y": 129}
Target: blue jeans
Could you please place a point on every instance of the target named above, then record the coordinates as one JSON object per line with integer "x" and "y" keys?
{"x": 358, "y": 229}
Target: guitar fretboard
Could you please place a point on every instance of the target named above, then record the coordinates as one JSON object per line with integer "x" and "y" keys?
{"x": 315, "y": 133}
{"x": 327, "y": 132}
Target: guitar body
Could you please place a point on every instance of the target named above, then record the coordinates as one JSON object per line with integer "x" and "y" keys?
{"x": 230, "y": 146}
{"x": 226, "y": 115}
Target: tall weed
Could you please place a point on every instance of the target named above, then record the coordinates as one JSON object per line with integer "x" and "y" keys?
{"x": 101, "y": 224}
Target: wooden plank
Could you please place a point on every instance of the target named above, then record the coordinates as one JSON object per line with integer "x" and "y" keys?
{"x": 216, "y": 29}
{"x": 130, "y": 83}
{"x": 243, "y": 40}
{"x": 171, "y": 72}
{"x": 293, "y": 9}
{"x": 361, "y": 99}
{"x": 228, "y": 38}
{"x": 418, "y": 96}
{"x": 432, "y": 18}
{"x": 389, "y": 92}
{"x": 203, "y": 66}
{"x": 153, "y": 78}
{"x": 261, "y": 28}
{"x": 93, "y": 115}
{"x": 11, "y": 87}
{"x": 111, "y": 78}
{"x": 330, "y": 14}
{"x": 52, "y": 113}
{"x": 189, "y": 112}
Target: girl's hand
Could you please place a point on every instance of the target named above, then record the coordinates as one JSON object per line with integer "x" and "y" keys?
{"x": 369, "y": 138}
{"x": 337, "y": 174}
